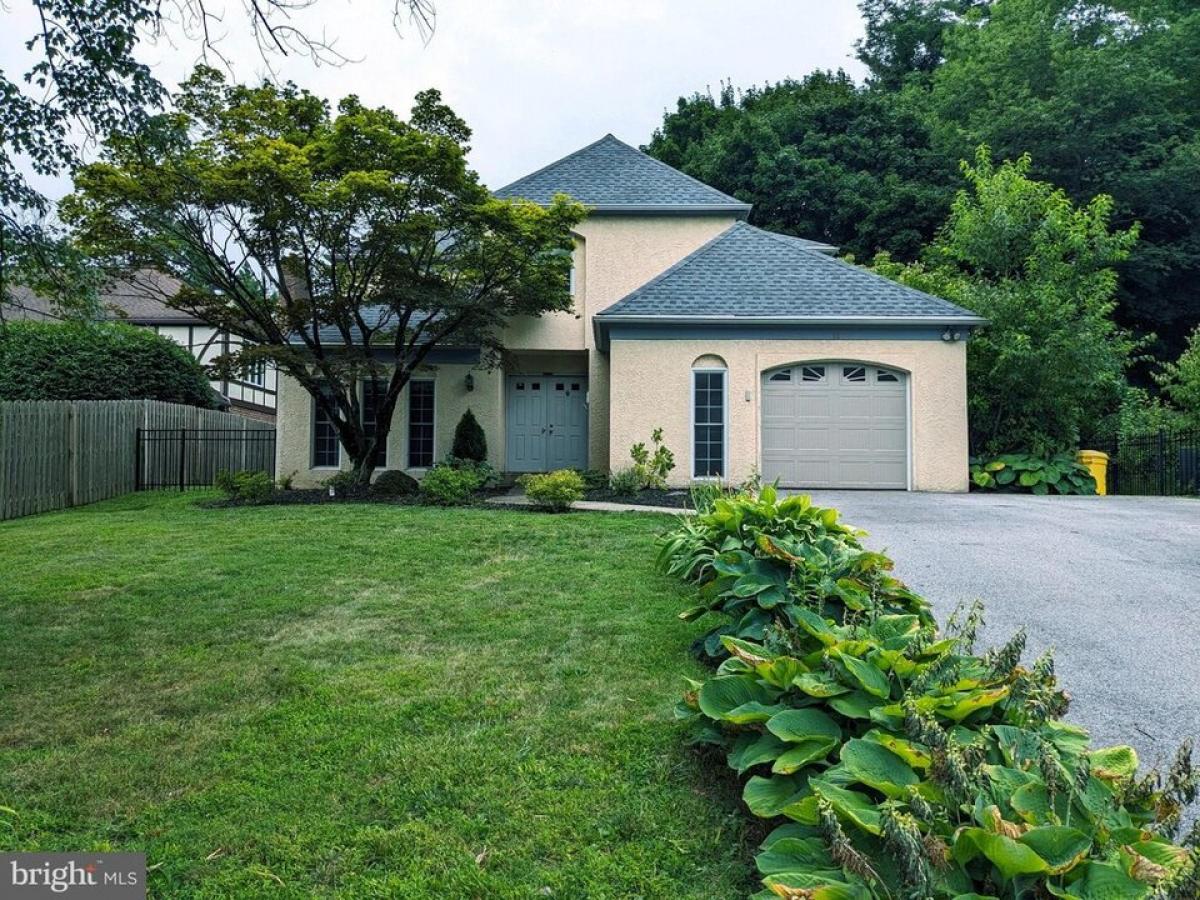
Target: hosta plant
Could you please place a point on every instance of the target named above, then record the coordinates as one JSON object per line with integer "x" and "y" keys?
{"x": 761, "y": 559}
{"x": 896, "y": 762}
{"x": 1024, "y": 472}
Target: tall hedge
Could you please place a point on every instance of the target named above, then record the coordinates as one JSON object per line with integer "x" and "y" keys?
{"x": 97, "y": 361}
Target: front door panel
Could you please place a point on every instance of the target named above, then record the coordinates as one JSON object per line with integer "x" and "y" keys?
{"x": 546, "y": 426}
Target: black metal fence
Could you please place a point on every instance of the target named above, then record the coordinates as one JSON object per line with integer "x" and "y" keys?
{"x": 1164, "y": 464}
{"x": 185, "y": 458}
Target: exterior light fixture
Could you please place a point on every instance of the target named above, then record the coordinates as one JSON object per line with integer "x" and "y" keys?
{"x": 469, "y": 381}
{"x": 950, "y": 336}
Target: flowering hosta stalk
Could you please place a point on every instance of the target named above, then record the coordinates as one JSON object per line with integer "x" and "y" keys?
{"x": 899, "y": 764}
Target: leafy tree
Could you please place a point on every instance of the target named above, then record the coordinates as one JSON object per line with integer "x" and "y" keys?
{"x": 103, "y": 361}
{"x": 1050, "y": 365}
{"x": 343, "y": 247}
{"x": 85, "y": 77}
{"x": 1105, "y": 96}
{"x": 820, "y": 158}
{"x": 469, "y": 440}
{"x": 1180, "y": 382}
{"x": 907, "y": 37}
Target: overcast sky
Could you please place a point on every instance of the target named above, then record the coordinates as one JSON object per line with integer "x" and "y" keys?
{"x": 535, "y": 79}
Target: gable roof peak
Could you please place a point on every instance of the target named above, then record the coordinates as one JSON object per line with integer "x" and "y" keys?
{"x": 611, "y": 176}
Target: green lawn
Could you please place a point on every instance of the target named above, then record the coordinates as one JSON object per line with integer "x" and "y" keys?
{"x": 359, "y": 700}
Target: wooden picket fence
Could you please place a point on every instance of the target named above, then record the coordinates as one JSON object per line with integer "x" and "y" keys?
{"x": 60, "y": 453}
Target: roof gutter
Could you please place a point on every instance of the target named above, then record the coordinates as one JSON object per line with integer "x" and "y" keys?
{"x": 601, "y": 322}
{"x": 795, "y": 320}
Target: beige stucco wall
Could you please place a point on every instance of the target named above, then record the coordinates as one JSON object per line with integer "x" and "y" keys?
{"x": 613, "y": 256}
{"x": 650, "y": 386}
{"x": 293, "y": 451}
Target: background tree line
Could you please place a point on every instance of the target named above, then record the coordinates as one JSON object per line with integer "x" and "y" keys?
{"x": 1103, "y": 98}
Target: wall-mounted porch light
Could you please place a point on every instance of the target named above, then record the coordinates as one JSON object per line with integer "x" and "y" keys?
{"x": 469, "y": 381}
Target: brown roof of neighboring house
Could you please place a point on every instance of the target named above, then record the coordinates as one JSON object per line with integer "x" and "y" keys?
{"x": 139, "y": 300}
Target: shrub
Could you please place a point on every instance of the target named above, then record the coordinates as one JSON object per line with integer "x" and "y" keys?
{"x": 594, "y": 479}
{"x": 87, "y": 361}
{"x": 897, "y": 762}
{"x": 652, "y": 468}
{"x": 394, "y": 483}
{"x": 759, "y": 560}
{"x": 287, "y": 481}
{"x": 245, "y": 487}
{"x": 469, "y": 440}
{"x": 1059, "y": 474}
{"x": 447, "y": 486}
{"x": 625, "y": 482}
{"x": 488, "y": 476}
{"x": 555, "y": 491}
{"x": 342, "y": 481}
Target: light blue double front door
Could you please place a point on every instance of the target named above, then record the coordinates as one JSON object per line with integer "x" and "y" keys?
{"x": 546, "y": 423}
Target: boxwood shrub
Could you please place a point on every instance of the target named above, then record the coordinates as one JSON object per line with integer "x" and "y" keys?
{"x": 447, "y": 486}
{"x": 893, "y": 759}
{"x": 555, "y": 491}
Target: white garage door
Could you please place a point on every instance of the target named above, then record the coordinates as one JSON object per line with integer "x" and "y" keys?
{"x": 835, "y": 425}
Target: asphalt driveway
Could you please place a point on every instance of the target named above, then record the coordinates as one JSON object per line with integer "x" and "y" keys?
{"x": 1113, "y": 584}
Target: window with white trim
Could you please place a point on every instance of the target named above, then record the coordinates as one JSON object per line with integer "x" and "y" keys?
{"x": 708, "y": 423}
{"x": 420, "y": 424}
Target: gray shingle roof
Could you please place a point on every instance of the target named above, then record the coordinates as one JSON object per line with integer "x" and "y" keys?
{"x": 745, "y": 273}
{"x": 611, "y": 176}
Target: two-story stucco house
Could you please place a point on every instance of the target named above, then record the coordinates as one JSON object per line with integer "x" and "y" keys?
{"x": 753, "y": 351}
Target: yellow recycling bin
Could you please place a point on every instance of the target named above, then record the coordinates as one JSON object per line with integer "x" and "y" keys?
{"x": 1096, "y": 462}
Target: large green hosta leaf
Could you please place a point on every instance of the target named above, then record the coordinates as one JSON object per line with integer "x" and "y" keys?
{"x": 865, "y": 675}
{"x": 769, "y": 797}
{"x": 1113, "y": 763}
{"x": 913, "y": 754}
{"x": 820, "y": 684}
{"x": 876, "y": 766}
{"x": 1005, "y": 853}
{"x": 752, "y": 749}
{"x": 810, "y": 734}
{"x": 796, "y": 855}
{"x": 1062, "y": 848}
{"x": 857, "y": 705}
{"x": 1102, "y": 881}
{"x": 740, "y": 699}
{"x": 855, "y": 806}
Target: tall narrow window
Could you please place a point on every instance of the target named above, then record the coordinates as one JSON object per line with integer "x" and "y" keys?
{"x": 327, "y": 449}
{"x": 420, "y": 424}
{"x": 708, "y": 417}
{"x": 373, "y": 393}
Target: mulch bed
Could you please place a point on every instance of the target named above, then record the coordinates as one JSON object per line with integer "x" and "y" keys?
{"x": 676, "y": 499}
{"x": 314, "y": 496}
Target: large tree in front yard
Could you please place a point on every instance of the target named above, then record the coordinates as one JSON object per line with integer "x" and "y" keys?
{"x": 343, "y": 247}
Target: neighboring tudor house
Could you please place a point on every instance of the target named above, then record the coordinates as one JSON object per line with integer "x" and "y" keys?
{"x": 752, "y": 351}
{"x": 141, "y": 301}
